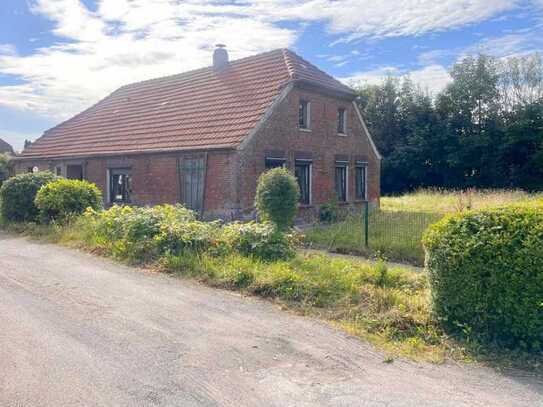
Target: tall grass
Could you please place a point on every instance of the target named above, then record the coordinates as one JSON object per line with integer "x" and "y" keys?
{"x": 446, "y": 201}
{"x": 394, "y": 235}
{"x": 396, "y": 229}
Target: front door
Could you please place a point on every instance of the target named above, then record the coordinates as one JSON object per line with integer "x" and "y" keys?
{"x": 192, "y": 182}
{"x": 120, "y": 186}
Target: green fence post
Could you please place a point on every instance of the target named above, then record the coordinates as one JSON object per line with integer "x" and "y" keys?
{"x": 366, "y": 222}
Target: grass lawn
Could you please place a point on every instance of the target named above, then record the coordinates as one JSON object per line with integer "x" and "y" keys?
{"x": 396, "y": 229}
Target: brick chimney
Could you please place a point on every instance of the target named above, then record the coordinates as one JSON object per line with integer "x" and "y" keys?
{"x": 220, "y": 57}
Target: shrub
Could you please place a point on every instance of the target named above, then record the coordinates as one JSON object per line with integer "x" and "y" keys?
{"x": 145, "y": 233}
{"x": 328, "y": 212}
{"x": 277, "y": 197}
{"x": 486, "y": 274}
{"x": 17, "y": 196}
{"x": 4, "y": 172}
{"x": 260, "y": 240}
{"x": 62, "y": 198}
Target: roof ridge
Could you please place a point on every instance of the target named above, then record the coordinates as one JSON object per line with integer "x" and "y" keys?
{"x": 288, "y": 63}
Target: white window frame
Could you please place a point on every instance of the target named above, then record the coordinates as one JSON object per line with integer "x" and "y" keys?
{"x": 307, "y": 114}
{"x": 365, "y": 166}
{"x": 310, "y": 164}
{"x": 344, "y": 133}
{"x": 346, "y": 166}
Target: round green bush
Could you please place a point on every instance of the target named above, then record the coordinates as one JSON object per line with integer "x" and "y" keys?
{"x": 17, "y": 196}
{"x": 62, "y": 198}
{"x": 277, "y": 197}
{"x": 486, "y": 275}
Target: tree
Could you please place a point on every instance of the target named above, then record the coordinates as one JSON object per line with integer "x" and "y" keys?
{"x": 484, "y": 130}
{"x": 4, "y": 170}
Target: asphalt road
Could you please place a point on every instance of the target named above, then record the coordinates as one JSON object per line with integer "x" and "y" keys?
{"x": 77, "y": 330}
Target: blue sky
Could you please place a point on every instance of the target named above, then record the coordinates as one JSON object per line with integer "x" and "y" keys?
{"x": 57, "y": 57}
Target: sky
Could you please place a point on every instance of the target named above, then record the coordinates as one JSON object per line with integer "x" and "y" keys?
{"x": 58, "y": 57}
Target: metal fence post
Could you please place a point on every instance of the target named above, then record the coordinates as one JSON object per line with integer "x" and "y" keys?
{"x": 366, "y": 222}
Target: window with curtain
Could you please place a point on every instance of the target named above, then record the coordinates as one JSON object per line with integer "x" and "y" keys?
{"x": 302, "y": 171}
{"x": 341, "y": 121}
{"x": 303, "y": 114}
{"x": 341, "y": 182}
{"x": 360, "y": 179}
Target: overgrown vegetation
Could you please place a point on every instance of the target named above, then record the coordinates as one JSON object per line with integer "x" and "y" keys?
{"x": 395, "y": 231}
{"x": 17, "y": 196}
{"x": 62, "y": 198}
{"x": 393, "y": 235}
{"x": 486, "y": 274}
{"x": 484, "y": 130}
{"x": 442, "y": 201}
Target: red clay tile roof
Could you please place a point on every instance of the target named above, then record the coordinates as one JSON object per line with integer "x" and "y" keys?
{"x": 201, "y": 109}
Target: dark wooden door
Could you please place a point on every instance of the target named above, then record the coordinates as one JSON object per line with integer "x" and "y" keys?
{"x": 192, "y": 182}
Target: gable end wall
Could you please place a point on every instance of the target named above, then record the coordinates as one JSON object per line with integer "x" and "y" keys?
{"x": 279, "y": 135}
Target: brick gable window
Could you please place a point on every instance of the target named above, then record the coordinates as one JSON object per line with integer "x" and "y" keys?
{"x": 341, "y": 121}
{"x": 302, "y": 171}
{"x": 304, "y": 114}
{"x": 341, "y": 181}
{"x": 361, "y": 172}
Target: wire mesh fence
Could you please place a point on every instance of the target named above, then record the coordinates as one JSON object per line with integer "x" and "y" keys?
{"x": 395, "y": 235}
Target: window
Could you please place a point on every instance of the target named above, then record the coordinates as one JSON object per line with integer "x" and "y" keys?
{"x": 341, "y": 181}
{"x": 120, "y": 185}
{"x": 302, "y": 171}
{"x": 193, "y": 171}
{"x": 74, "y": 172}
{"x": 58, "y": 171}
{"x": 341, "y": 121}
{"x": 274, "y": 163}
{"x": 303, "y": 114}
{"x": 360, "y": 179}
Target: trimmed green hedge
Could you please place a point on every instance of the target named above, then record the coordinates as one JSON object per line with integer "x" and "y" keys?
{"x": 17, "y": 196}
{"x": 62, "y": 198}
{"x": 486, "y": 274}
{"x": 277, "y": 195}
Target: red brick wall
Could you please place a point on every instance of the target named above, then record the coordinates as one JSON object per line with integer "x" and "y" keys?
{"x": 281, "y": 133}
{"x": 155, "y": 180}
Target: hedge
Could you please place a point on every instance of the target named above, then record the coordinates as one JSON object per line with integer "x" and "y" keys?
{"x": 277, "y": 195}
{"x": 63, "y": 198}
{"x": 486, "y": 275}
{"x": 17, "y": 196}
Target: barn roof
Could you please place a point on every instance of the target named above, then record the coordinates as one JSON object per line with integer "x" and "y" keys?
{"x": 201, "y": 109}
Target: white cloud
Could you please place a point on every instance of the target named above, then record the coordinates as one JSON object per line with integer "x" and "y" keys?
{"x": 123, "y": 41}
{"x": 431, "y": 78}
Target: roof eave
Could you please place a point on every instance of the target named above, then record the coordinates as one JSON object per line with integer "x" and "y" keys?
{"x": 346, "y": 93}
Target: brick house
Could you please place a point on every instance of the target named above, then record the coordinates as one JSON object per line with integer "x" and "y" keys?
{"x": 5, "y": 148}
{"x": 203, "y": 137}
